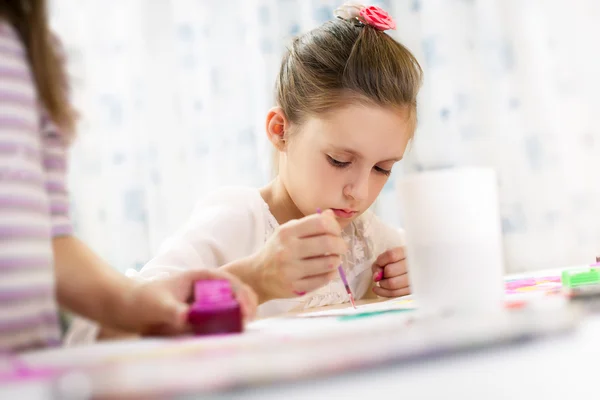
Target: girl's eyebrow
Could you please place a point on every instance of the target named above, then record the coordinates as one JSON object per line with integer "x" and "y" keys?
{"x": 348, "y": 151}
{"x": 358, "y": 155}
{"x": 395, "y": 159}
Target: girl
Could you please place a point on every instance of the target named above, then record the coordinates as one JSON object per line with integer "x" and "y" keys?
{"x": 38, "y": 253}
{"x": 346, "y": 110}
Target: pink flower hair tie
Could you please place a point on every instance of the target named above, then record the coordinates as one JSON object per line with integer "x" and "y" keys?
{"x": 361, "y": 15}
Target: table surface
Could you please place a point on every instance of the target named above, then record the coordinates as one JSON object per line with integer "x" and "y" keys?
{"x": 561, "y": 366}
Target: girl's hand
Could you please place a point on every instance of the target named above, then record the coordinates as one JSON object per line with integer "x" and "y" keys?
{"x": 301, "y": 256}
{"x": 390, "y": 271}
{"x": 160, "y": 307}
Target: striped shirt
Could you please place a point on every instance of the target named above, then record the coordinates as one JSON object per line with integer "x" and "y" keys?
{"x": 33, "y": 204}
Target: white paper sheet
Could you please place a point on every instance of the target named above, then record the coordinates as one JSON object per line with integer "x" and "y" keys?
{"x": 403, "y": 303}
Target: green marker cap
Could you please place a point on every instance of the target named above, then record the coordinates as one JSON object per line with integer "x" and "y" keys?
{"x": 571, "y": 279}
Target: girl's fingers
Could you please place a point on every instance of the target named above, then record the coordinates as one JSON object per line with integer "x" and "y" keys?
{"x": 317, "y": 266}
{"x": 379, "y": 291}
{"x": 391, "y": 256}
{"x": 319, "y": 246}
{"x": 394, "y": 269}
{"x": 377, "y": 273}
{"x": 312, "y": 225}
{"x": 397, "y": 282}
{"x": 311, "y": 283}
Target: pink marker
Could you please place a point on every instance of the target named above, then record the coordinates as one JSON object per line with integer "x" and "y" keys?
{"x": 215, "y": 310}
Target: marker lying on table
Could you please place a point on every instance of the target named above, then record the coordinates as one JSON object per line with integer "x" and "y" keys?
{"x": 583, "y": 286}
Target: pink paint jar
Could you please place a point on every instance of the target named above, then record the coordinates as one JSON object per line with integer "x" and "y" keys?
{"x": 215, "y": 309}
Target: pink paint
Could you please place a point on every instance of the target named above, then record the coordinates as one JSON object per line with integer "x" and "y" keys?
{"x": 215, "y": 309}
{"x": 299, "y": 293}
{"x": 18, "y": 371}
{"x": 550, "y": 279}
{"x": 379, "y": 276}
{"x": 512, "y": 285}
{"x": 27, "y": 375}
{"x": 529, "y": 282}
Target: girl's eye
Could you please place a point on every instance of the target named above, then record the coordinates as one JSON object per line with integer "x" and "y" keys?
{"x": 385, "y": 172}
{"x": 336, "y": 163}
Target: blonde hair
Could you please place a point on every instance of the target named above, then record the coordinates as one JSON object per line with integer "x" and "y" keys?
{"x": 339, "y": 63}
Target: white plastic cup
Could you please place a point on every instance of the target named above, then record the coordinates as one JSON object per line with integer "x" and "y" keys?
{"x": 453, "y": 240}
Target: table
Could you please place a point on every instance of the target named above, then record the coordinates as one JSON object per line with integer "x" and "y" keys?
{"x": 557, "y": 367}
{"x": 562, "y": 367}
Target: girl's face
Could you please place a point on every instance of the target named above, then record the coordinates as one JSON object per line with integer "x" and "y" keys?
{"x": 342, "y": 160}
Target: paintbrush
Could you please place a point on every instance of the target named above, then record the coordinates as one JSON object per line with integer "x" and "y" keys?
{"x": 343, "y": 276}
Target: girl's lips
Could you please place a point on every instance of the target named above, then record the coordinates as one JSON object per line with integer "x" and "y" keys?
{"x": 344, "y": 213}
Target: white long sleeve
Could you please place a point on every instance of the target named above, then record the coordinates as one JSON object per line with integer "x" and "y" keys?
{"x": 227, "y": 226}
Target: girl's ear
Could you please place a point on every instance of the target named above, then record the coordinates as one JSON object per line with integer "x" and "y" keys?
{"x": 276, "y": 127}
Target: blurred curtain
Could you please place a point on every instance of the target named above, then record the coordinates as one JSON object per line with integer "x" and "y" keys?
{"x": 173, "y": 95}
